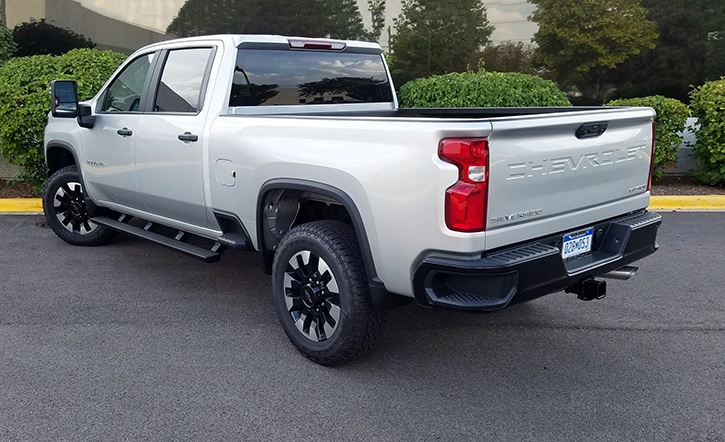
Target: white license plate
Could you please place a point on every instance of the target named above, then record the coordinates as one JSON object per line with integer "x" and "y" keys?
{"x": 576, "y": 244}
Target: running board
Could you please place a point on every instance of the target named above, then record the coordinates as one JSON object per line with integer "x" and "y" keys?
{"x": 171, "y": 243}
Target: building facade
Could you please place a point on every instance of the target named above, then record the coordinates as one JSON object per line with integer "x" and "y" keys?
{"x": 107, "y": 32}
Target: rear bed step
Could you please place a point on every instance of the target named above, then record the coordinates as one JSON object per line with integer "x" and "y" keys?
{"x": 236, "y": 240}
{"x": 175, "y": 244}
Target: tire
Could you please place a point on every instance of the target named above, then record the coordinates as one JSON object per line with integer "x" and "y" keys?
{"x": 321, "y": 293}
{"x": 65, "y": 210}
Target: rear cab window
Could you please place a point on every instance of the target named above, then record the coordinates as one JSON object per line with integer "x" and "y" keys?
{"x": 269, "y": 77}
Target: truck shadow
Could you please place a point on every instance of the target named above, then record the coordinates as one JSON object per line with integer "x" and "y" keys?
{"x": 236, "y": 291}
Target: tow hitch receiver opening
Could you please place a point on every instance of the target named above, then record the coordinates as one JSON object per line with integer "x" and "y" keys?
{"x": 588, "y": 289}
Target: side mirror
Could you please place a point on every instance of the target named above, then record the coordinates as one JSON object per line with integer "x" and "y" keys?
{"x": 64, "y": 98}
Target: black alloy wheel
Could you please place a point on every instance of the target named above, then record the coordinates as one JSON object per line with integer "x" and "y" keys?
{"x": 70, "y": 209}
{"x": 65, "y": 210}
{"x": 312, "y": 296}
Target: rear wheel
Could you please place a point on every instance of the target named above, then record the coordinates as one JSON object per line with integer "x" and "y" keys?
{"x": 65, "y": 210}
{"x": 321, "y": 293}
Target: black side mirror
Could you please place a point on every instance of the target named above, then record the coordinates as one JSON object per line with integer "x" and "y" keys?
{"x": 64, "y": 98}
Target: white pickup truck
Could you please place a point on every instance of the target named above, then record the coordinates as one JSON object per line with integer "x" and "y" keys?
{"x": 296, "y": 149}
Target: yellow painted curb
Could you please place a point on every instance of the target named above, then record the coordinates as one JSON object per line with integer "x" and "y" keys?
{"x": 688, "y": 202}
{"x": 21, "y": 205}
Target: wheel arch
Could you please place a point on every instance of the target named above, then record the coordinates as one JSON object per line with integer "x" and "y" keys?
{"x": 60, "y": 154}
{"x": 382, "y": 299}
{"x": 325, "y": 190}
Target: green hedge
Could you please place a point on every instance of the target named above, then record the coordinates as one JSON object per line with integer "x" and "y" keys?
{"x": 481, "y": 89}
{"x": 708, "y": 105}
{"x": 671, "y": 119}
{"x": 25, "y": 101}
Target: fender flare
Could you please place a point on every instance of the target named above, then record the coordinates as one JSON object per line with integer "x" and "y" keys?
{"x": 382, "y": 299}
{"x": 326, "y": 190}
{"x": 57, "y": 144}
{"x": 64, "y": 146}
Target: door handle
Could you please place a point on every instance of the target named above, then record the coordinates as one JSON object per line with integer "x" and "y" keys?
{"x": 188, "y": 136}
{"x": 125, "y": 132}
{"x": 591, "y": 130}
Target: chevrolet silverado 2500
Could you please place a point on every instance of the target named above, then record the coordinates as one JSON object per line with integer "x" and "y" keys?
{"x": 296, "y": 149}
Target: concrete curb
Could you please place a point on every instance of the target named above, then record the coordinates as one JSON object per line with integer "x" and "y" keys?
{"x": 680, "y": 203}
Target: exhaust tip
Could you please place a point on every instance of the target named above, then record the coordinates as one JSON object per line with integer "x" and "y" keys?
{"x": 622, "y": 274}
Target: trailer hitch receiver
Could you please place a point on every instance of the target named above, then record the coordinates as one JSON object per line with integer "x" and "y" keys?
{"x": 588, "y": 289}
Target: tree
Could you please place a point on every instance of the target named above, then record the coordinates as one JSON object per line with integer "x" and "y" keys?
{"x": 437, "y": 36}
{"x": 7, "y": 43}
{"x": 507, "y": 56}
{"x": 689, "y": 46}
{"x": 715, "y": 56}
{"x": 303, "y": 18}
{"x": 377, "y": 14}
{"x": 42, "y": 38}
{"x": 580, "y": 41}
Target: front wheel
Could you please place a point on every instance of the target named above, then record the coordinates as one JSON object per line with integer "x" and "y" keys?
{"x": 321, "y": 293}
{"x": 65, "y": 210}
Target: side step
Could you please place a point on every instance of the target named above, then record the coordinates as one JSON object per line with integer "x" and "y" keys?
{"x": 171, "y": 243}
{"x": 234, "y": 240}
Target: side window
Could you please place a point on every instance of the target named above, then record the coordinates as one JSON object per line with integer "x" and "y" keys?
{"x": 124, "y": 93}
{"x": 181, "y": 81}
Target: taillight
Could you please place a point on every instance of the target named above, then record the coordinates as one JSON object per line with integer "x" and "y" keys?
{"x": 466, "y": 199}
{"x": 317, "y": 45}
{"x": 652, "y": 157}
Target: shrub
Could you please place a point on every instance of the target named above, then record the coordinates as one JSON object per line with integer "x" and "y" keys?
{"x": 481, "y": 89}
{"x": 671, "y": 119}
{"x": 43, "y": 38}
{"x": 708, "y": 105}
{"x": 25, "y": 101}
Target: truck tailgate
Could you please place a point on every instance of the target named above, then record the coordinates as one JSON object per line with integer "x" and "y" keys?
{"x": 548, "y": 168}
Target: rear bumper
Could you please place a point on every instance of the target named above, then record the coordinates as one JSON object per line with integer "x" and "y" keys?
{"x": 534, "y": 269}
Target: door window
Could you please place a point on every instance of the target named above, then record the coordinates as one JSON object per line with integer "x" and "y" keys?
{"x": 181, "y": 81}
{"x": 124, "y": 93}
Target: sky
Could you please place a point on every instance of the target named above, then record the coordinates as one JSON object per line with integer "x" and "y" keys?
{"x": 508, "y": 16}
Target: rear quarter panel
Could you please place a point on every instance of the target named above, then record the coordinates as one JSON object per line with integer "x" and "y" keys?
{"x": 388, "y": 167}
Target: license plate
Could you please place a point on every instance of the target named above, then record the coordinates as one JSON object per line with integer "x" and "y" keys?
{"x": 576, "y": 244}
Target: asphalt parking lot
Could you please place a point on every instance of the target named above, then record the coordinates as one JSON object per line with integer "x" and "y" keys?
{"x": 134, "y": 342}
